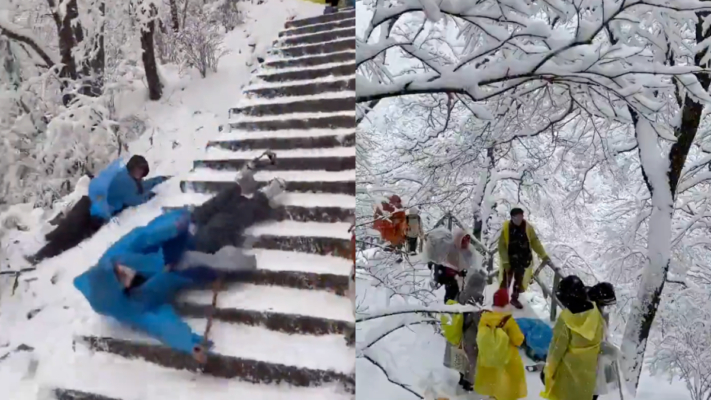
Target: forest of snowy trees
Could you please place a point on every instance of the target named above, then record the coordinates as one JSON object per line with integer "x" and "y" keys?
{"x": 69, "y": 67}
{"x": 593, "y": 115}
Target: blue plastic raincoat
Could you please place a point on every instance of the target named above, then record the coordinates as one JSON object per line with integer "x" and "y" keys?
{"x": 114, "y": 190}
{"x": 147, "y": 250}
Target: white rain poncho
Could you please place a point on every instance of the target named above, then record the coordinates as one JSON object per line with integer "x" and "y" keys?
{"x": 444, "y": 248}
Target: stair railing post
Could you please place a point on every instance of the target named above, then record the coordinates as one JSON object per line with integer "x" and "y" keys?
{"x": 449, "y": 221}
{"x": 554, "y": 303}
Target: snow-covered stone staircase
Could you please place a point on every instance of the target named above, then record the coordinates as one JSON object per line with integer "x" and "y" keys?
{"x": 287, "y": 324}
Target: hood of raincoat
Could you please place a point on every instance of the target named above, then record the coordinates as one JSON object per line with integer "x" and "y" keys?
{"x": 457, "y": 236}
{"x": 492, "y": 318}
{"x": 585, "y": 324}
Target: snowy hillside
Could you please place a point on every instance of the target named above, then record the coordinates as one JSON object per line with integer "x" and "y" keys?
{"x": 278, "y": 336}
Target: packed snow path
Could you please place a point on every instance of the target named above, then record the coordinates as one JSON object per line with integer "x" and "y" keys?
{"x": 287, "y": 324}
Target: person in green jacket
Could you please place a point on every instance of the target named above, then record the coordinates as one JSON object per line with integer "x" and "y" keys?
{"x": 518, "y": 239}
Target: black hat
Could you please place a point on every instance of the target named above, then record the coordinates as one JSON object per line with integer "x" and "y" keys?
{"x": 571, "y": 289}
{"x": 516, "y": 211}
{"x": 603, "y": 294}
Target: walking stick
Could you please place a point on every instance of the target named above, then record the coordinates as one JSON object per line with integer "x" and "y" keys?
{"x": 215, "y": 290}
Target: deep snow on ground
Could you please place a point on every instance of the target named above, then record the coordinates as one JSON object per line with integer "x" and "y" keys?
{"x": 179, "y": 127}
{"x": 413, "y": 355}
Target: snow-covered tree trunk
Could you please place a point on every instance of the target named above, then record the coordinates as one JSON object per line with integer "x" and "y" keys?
{"x": 155, "y": 86}
{"x": 662, "y": 177}
{"x": 175, "y": 20}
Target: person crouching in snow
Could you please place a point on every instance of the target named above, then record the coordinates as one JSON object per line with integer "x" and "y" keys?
{"x": 122, "y": 186}
{"x": 451, "y": 256}
{"x": 499, "y": 368}
{"x": 571, "y": 366}
{"x": 517, "y": 240}
{"x": 137, "y": 278}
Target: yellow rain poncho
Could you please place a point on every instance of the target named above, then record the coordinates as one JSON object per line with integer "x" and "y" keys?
{"x": 536, "y": 246}
{"x": 508, "y": 383}
{"x": 571, "y": 367}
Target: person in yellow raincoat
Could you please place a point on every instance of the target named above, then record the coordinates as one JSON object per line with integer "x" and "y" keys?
{"x": 507, "y": 382}
{"x": 571, "y": 367}
{"x": 518, "y": 238}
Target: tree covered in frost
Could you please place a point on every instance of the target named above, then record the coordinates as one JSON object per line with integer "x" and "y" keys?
{"x": 68, "y": 69}
{"x": 600, "y": 81}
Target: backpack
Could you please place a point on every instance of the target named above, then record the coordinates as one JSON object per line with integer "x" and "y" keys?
{"x": 99, "y": 188}
{"x": 453, "y": 326}
{"x": 493, "y": 343}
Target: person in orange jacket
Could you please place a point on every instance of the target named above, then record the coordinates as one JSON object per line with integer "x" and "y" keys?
{"x": 392, "y": 226}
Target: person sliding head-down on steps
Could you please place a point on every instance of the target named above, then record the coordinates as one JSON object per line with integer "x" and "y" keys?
{"x": 517, "y": 240}
{"x": 137, "y": 278}
{"x": 119, "y": 187}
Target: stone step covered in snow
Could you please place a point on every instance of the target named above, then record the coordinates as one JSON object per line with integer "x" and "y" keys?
{"x": 293, "y": 107}
{"x": 304, "y": 214}
{"x": 222, "y": 366}
{"x": 284, "y": 143}
{"x": 327, "y": 159}
{"x": 321, "y": 19}
{"x": 190, "y": 198}
{"x": 335, "y": 46}
{"x": 307, "y": 74}
{"x": 332, "y": 121}
{"x": 274, "y": 321}
{"x": 302, "y": 88}
{"x": 336, "y": 187}
{"x": 309, "y": 61}
{"x": 65, "y": 394}
{"x": 322, "y": 27}
{"x": 313, "y": 38}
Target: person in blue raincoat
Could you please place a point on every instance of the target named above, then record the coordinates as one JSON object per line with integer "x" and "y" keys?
{"x": 124, "y": 187}
{"x": 136, "y": 279}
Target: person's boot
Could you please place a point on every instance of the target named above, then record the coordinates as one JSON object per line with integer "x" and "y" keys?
{"x": 465, "y": 384}
{"x": 516, "y": 303}
{"x": 245, "y": 178}
{"x": 276, "y": 187}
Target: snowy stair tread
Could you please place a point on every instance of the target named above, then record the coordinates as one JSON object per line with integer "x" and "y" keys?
{"x": 336, "y": 187}
{"x": 317, "y": 163}
{"x": 320, "y": 27}
{"x": 67, "y": 394}
{"x": 337, "y": 284}
{"x": 326, "y": 122}
{"x": 303, "y": 106}
{"x": 191, "y": 199}
{"x": 336, "y": 70}
{"x": 304, "y": 88}
{"x": 334, "y": 46}
{"x": 321, "y": 19}
{"x": 317, "y": 37}
{"x": 286, "y": 143}
{"x": 274, "y": 321}
{"x": 220, "y": 366}
{"x": 310, "y": 61}
{"x": 308, "y": 214}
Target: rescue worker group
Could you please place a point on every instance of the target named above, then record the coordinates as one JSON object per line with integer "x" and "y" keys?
{"x": 575, "y": 358}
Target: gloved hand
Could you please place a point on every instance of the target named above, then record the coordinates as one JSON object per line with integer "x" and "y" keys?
{"x": 150, "y": 195}
{"x": 463, "y": 273}
{"x": 164, "y": 178}
{"x": 271, "y": 155}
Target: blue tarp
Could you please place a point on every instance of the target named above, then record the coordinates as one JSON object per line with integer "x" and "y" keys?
{"x": 538, "y": 336}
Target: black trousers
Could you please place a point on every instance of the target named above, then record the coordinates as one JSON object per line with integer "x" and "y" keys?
{"x": 443, "y": 275}
{"x": 412, "y": 244}
{"x": 77, "y": 226}
{"x": 514, "y": 274}
{"x": 222, "y": 220}
{"x": 333, "y": 3}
